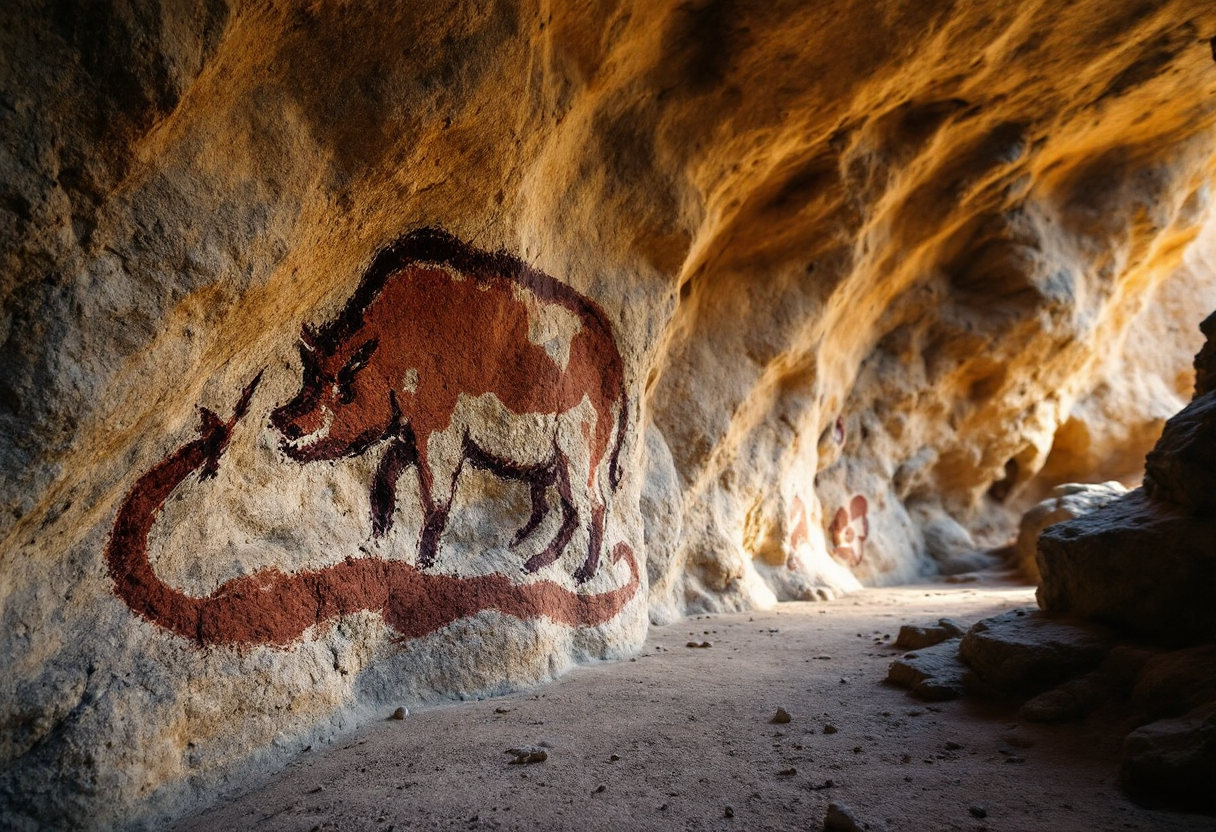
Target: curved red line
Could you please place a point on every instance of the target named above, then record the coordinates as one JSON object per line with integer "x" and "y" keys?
{"x": 272, "y": 607}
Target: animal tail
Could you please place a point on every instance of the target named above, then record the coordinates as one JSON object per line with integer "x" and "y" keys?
{"x": 565, "y": 607}
{"x": 135, "y": 581}
{"x": 274, "y": 608}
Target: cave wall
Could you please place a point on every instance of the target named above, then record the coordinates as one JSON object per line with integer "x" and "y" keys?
{"x": 875, "y": 274}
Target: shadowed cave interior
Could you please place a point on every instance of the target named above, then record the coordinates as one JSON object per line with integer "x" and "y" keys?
{"x": 746, "y": 415}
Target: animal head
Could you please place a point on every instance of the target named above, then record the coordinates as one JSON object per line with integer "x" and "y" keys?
{"x": 344, "y": 404}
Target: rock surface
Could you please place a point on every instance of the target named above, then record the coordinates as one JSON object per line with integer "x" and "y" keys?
{"x": 1067, "y": 501}
{"x": 1181, "y": 467}
{"x": 933, "y": 674}
{"x": 1146, "y": 561}
{"x": 822, "y": 290}
{"x": 1174, "y": 760}
{"x": 1025, "y": 652}
{"x": 1142, "y": 565}
{"x": 912, "y": 637}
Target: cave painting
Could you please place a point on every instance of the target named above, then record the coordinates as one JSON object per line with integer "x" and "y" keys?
{"x": 849, "y": 530}
{"x": 431, "y": 319}
{"x": 799, "y": 531}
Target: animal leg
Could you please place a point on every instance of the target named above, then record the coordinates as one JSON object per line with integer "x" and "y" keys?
{"x": 437, "y": 507}
{"x": 540, "y": 483}
{"x": 555, "y": 472}
{"x": 569, "y": 518}
{"x": 432, "y": 530}
{"x": 594, "y": 543}
{"x": 538, "y": 478}
{"x": 401, "y": 453}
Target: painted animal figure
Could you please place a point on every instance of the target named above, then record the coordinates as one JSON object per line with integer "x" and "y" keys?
{"x": 433, "y": 356}
{"x": 275, "y": 608}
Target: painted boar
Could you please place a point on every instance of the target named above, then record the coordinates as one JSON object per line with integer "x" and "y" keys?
{"x": 435, "y": 326}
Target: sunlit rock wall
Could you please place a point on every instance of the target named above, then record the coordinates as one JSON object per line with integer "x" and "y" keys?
{"x": 770, "y": 299}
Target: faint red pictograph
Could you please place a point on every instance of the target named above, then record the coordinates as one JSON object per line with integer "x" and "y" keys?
{"x": 849, "y": 530}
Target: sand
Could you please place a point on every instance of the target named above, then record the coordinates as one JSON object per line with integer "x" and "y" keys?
{"x": 680, "y": 738}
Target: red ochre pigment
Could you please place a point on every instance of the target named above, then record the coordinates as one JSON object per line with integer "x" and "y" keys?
{"x": 432, "y": 319}
{"x": 270, "y": 607}
{"x": 849, "y": 530}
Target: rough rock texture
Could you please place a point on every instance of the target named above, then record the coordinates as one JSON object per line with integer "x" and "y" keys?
{"x": 1067, "y": 501}
{"x": 912, "y": 637}
{"x": 1147, "y": 561}
{"x": 1025, "y": 652}
{"x": 1176, "y": 682}
{"x": 931, "y": 673}
{"x": 1205, "y": 360}
{"x": 1144, "y": 566}
{"x": 1173, "y": 760}
{"x": 821, "y": 288}
{"x": 1066, "y": 670}
{"x": 1181, "y": 467}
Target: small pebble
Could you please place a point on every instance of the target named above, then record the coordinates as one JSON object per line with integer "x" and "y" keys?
{"x": 953, "y": 746}
{"x": 978, "y": 811}
{"x": 729, "y": 813}
{"x": 400, "y": 713}
{"x": 787, "y": 772}
{"x": 599, "y": 789}
{"x": 614, "y": 758}
{"x": 781, "y": 717}
{"x": 502, "y": 710}
{"x": 527, "y": 754}
{"x": 829, "y": 729}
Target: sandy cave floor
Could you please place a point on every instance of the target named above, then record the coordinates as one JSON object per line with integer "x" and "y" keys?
{"x": 692, "y": 733}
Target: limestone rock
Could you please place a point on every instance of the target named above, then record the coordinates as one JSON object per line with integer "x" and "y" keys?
{"x": 661, "y": 507}
{"x": 1073, "y": 700}
{"x": 1205, "y": 359}
{"x": 1181, "y": 468}
{"x": 912, "y": 637}
{"x": 1067, "y": 501}
{"x": 1141, "y": 565}
{"x": 841, "y": 818}
{"x": 933, "y": 674}
{"x": 1173, "y": 761}
{"x": 1024, "y": 652}
{"x": 855, "y": 315}
{"x": 1176, "y": 682}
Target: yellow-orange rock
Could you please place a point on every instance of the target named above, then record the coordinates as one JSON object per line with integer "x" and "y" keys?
{"x": 879, "y": 274}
